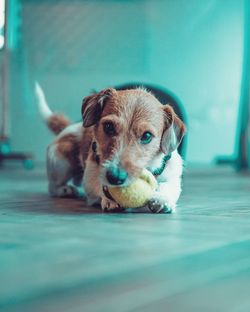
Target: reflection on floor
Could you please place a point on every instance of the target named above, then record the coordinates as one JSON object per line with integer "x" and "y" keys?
{"x": 59, "y": 255}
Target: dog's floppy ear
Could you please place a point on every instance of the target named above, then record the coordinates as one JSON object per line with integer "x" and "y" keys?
{"x": 93, "y": 105}
{"x": 173, "y": 132}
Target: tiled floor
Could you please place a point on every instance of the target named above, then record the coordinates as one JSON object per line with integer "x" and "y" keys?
{"x": 59, "y": 255}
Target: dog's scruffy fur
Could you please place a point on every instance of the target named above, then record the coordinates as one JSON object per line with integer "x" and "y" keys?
{"x": 85, "y": 152}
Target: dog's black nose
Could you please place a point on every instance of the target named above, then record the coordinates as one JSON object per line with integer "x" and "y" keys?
{"x": 116, "y": 176}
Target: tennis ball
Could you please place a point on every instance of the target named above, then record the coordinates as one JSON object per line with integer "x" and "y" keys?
{"x": 138, "y": 193}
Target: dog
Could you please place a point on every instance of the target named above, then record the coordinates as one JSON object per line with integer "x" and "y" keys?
{"x": 121, "y": 133}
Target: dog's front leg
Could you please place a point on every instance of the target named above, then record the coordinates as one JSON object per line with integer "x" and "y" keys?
{"x": 107, "y": 205}
{"x": 166, "y": 197}
{"x": 94, "y": 189}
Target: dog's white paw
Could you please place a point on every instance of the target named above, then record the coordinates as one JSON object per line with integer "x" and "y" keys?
{"x": 159, "y": 204}
{"x": 68, "y": 191}
{"x": 110, "y": 205}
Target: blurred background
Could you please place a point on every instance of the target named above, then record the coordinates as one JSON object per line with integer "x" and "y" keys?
{"x": 192, "y": 48}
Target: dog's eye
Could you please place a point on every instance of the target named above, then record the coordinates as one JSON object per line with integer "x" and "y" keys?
{"x": 146, "y": 137}
{"x": 109, "y": 128}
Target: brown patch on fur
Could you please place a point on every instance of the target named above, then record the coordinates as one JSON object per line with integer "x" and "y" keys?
{"x": 93, "y": 105}
{"x": 69, "y": 147}
{"x": 57, "y": 123}
{"x": 75, "y": 148}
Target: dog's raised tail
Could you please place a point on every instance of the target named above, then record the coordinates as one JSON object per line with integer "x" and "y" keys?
{"x": 55, "y": 122}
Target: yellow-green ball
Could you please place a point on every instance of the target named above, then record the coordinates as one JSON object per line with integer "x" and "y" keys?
{"x": 138, "y": 193}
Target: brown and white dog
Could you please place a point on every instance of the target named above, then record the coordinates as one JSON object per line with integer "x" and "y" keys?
{"x": 122, "y": 132}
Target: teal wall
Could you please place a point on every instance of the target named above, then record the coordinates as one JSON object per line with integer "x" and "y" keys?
{"x": 193, "y": 48}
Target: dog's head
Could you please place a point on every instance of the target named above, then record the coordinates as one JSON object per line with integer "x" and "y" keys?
{"x": 130, "y": 128}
